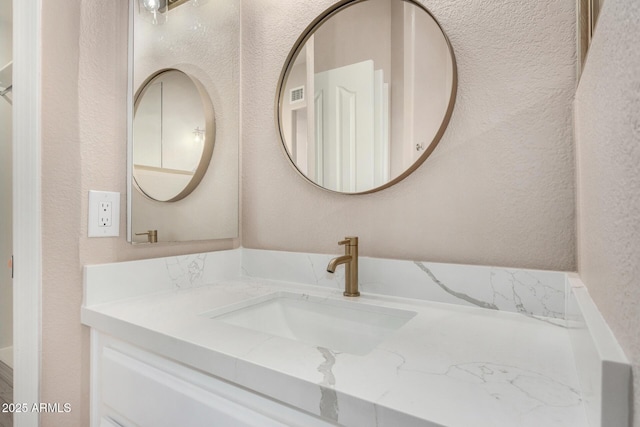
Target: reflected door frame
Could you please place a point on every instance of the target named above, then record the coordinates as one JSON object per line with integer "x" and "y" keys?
{"x": 27, "y": 247}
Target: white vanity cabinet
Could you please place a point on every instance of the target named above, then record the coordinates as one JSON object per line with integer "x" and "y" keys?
{"x": 131, "y": 387}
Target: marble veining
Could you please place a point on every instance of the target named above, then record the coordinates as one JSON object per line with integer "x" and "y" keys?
{"x": 533, "y": 293}
{"x": 512, "y": 290}
{"x": 502, "y": 381}
{"x": 405, "y": 381}
{"x": 505, "y": 370}
{"x": 459, "y": 295}
{"x": 329, "y": 398}
{"x": 526, "y": 293}
{"x": 186, "y": 271}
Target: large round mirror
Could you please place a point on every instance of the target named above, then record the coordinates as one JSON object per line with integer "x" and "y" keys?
{"x": 366, "y": 94}
{"x": 173, "y": 135}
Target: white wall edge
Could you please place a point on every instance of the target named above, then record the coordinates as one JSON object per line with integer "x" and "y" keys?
{"x": 129, "y": 120}
{"x": 27, "y": 229}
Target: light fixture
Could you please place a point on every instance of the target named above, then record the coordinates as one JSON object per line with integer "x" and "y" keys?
{"x": 175, "y": 3}
{"x": 157, "y": 11}
{"x": 154, "y": 10}
{"x": 199, "y": 136}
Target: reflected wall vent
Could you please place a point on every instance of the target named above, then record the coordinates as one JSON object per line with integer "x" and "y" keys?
{"x": 296, "y": 95}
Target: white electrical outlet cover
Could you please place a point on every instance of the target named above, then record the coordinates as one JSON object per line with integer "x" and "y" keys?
{"x": 111, "y": 227}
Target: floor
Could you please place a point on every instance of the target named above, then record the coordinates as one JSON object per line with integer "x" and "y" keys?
{"x": 6, "y": 394}
{"x": 6, "y": 356}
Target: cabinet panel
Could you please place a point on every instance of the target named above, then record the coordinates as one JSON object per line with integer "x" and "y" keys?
{"x": 140, "y": 389}
{"x": 150, "y": 397}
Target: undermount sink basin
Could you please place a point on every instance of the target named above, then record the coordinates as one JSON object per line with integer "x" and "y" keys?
{"x": 340, "y": 325}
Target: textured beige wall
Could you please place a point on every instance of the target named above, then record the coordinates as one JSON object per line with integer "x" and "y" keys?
{"x": 499, "y": 189}
{"x": 84, "y": 87}
{"x": 63, "y": 366}
{"x": 608, "y": 159}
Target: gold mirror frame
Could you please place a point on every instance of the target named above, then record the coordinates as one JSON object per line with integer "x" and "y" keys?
{"x": 593, "y": 12}
{"x": 588, "y": 12}
{"x": 289, "y": 62}
{"x": 209, "y": 140}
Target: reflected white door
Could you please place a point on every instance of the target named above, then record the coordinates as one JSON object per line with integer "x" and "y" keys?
{"x": 424, "y": 50}
{"x": 345, "y": 111}
{"x": 6, "y": 185}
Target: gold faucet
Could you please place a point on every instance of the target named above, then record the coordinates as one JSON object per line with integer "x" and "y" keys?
{"x": 350, "y": 260}
{"x": 152, "y": 236}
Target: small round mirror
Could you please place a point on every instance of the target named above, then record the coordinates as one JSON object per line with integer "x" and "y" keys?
{"x": 366, "y": 94}
{"x": 173, "y": 135}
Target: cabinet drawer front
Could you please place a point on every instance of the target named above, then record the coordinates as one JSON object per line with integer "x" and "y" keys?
{"x": 148, "y": 396}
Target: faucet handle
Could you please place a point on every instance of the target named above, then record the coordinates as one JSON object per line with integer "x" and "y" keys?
{"x": 349, "y": 241}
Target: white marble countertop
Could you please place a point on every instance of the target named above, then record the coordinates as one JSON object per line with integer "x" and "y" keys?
{"x": 450, "y": 365}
